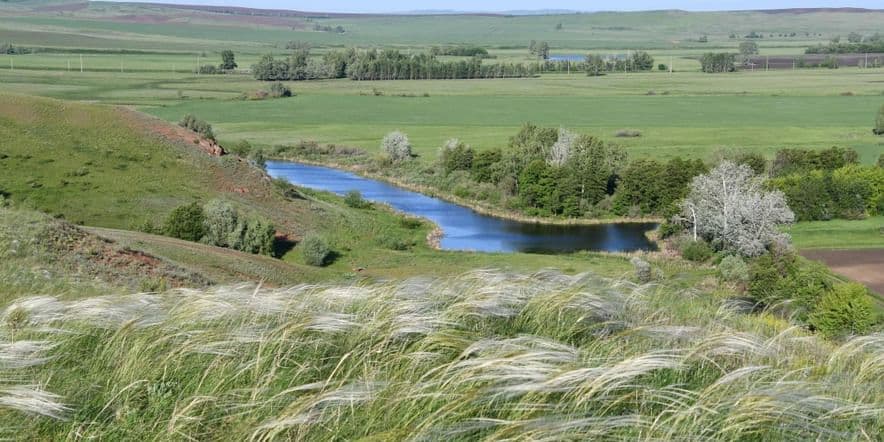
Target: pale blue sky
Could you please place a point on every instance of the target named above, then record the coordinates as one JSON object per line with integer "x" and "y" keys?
{"x": 498, "y": 5}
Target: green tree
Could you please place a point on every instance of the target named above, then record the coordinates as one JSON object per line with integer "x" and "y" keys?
{"x": 186, "y": 222}
{"x": 537, "y": 186}
{"x": 456, "y": 156}
{"x": 259, "y": 237}
{"x": 543, "y": 50}
{"x": 593, "y": 165}
{"x": 595, "y": 65}
{"x": 483, "y": 165}
{"x": 228, "y": 60}
{"x": 719, "y": 62}
{"x": 224, "y": 228}
{"x": 748, "y": 48}
{"x": 642, "y": 61}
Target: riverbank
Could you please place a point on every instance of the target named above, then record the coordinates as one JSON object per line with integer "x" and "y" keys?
{"x": 479, "y": 208}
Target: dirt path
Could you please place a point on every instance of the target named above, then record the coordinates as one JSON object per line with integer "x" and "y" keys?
{"x": 865, "y": 266}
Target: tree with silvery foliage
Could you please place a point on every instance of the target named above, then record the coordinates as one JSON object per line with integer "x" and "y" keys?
{"x": 397, "y": 146}
{"x": 730, "y": 208}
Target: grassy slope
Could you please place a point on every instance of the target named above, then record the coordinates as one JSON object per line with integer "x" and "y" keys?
{"x": 487, "y": 356}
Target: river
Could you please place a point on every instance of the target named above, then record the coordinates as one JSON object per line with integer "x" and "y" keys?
{"x": 465, "y": 229}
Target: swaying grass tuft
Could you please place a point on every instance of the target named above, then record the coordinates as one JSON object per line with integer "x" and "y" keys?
{"x": 487, "y": 355}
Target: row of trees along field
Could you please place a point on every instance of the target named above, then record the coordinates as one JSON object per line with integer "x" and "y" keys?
{"x": 856, "y": 44}
{"x": 381, "y": 65}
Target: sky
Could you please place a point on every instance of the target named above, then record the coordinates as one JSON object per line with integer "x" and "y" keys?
{"x": 512, "y": 5}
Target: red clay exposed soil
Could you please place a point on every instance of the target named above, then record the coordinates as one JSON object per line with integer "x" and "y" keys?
{"x": 865, "y": 266}
{"x": 88, "y": 255}
{"x": 173, "y": 133}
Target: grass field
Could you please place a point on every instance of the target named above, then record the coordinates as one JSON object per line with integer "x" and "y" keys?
{"x": 839, "y": 234}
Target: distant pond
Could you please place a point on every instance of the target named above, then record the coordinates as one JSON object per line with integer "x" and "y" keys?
{"x": 568, "y": 57}
{"x": 465, "y": 229}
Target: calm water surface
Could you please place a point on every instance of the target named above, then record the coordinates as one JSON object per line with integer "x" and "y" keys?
{"x": 465, "y": 229}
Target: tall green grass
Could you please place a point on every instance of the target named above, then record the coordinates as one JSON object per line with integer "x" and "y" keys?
{"x": 486, "y": 355}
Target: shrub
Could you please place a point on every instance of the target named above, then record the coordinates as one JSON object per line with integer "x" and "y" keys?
{"x": 662, "y": 67}
{"x": 781, "y": 276}
{"x": 396, "y": 146}
{"x": 197, "y": 125}
{"x": 259, "y": 237}
{"x": 456, "y": 155}
{"x": 224, "y": 228}
{"x": 354, "y": 199}
{"x": 754, "y": 160}
{"x": 696, "y": 251}
{"x": 241, "y": 148}
{"x": 280, "y": 90}
{"x": 208, "y": 69}
{"x": 483, "y": 165}
{"x": 733, "y": 269}
{"x": 256, "y": 158}
{"x": 643, "y": 271}
{"x": 628, "y": 133}
{"x": 845, "y": 310}
{"x": 669, "y": 229}
{"x": 186, "y": 222}
{"x": 315, "y": 250}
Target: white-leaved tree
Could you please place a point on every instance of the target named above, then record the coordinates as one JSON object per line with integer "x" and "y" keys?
{"x": 730, "y": 208}
{"x": 397, "y": 146}
{"x": 561, "y": 151}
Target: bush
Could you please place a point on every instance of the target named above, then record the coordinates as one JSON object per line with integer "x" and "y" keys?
{"x": 241, "y": 148}
{"x": 845, "y": 310}
{"x": 354, "y": 199}
{"x": 279, "y": 90}
{"x": 628, "y": 133}
{"x": 197, "y": 125}
{"x": 643, "y": 271}
{"x": 733, "y": 269}
{"x": 224, "y": 228}
{"x": 696, "y": 251}
{"x": 456, "y": 155}
{"x": 396, "y": 146}
{"x": 256, "y": 158}
{"x": 755, "y": 161}
{"x": 186, "y": 222}
{"x": 777, "y": 277}
{"x": 208, "y": 69}
{"x": 662, "y": 67}
{"x": 315, "y": 250}
{"x": 259, "y": 237}
{"x": 669, "y": 229}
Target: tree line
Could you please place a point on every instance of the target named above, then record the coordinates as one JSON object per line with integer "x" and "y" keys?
{"x": 856, "y": 44}
{"x": 555, "y": 172}
{"x": 381, "y": 65}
